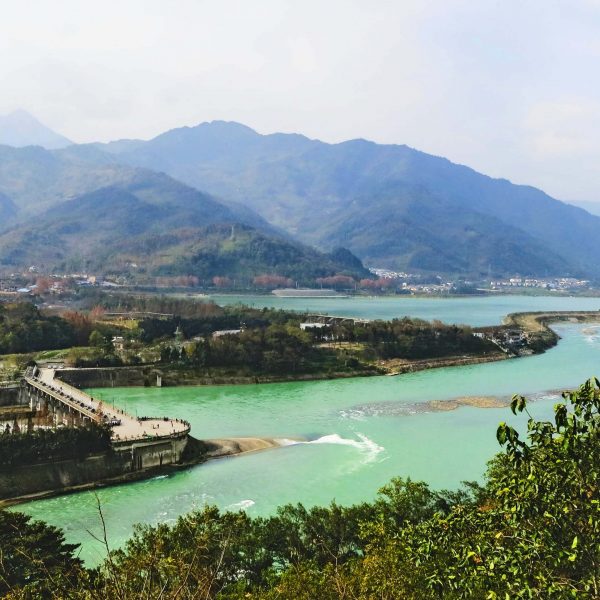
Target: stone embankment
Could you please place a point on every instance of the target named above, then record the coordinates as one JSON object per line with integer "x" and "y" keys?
{"x": 45, "y": 480}
{"x": 150, "y": 376}
{"x": 402, "y": 366}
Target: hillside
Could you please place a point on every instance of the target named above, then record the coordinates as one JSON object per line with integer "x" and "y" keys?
{"x": 154, "y": 226}
{"x": 19, "y": 129}
{"x": 392, "y": 205}
{"x": 34, "y": 180}
{"x": 7, "y": 208}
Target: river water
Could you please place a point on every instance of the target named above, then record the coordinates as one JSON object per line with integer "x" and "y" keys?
{"x": 359, "y": 432}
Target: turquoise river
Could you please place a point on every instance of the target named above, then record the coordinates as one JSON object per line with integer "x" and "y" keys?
{"x": 360, "y": 432}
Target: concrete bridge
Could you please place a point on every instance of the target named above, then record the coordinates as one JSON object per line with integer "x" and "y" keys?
{"x": 61, "y": 404}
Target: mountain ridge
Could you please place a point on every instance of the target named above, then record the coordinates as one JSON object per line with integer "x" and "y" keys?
{"x": 306, "y": 186}
{"x": 19, "y": 129}
{"x": 77, "y": 209}
{"x": 112, "y": 229}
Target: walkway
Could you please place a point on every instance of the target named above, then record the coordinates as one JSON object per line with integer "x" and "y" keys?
{"x": 124, "y": 426}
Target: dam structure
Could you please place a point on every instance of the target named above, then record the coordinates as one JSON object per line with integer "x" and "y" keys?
{"x": 63, "y": 405}
{"x": 138, "y": 445}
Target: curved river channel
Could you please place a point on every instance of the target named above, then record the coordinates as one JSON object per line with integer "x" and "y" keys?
{"x": 361, "y": 432}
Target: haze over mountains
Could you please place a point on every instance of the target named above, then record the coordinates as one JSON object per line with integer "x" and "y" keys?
{"x": 77, "y": 209}
{"x": 19, "y": 129}
{"x": 391, "y": 205}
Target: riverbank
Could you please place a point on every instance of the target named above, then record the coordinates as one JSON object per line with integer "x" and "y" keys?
{"x": 165, "y": 376}
{"x": 536, "y": 325}
{"x": 399, "y": 366}
{"x": 198, "y": 452}
{"x": 223, "y": 447}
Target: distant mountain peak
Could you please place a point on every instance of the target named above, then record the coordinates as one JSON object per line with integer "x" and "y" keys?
{"x": 20, "y": 128}
{"x": 221, "y": 124}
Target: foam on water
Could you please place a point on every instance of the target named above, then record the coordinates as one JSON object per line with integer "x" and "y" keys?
{"x": 355, "y": 414}
{"x": 366, "y": 445}
{"x": 241, "y": 505}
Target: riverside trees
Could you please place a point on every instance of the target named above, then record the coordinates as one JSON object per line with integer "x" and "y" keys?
{"x": 35, "y": 560}
{"x": 46, "y": 445}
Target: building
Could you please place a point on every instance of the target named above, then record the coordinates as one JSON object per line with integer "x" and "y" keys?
{"x": 222, "y": 332}
{"x": 118, "y": 343}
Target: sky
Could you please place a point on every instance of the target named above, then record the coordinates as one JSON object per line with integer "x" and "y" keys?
{"x": 509, "y": 87}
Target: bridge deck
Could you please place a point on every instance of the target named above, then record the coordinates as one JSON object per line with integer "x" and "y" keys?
{"x": 130, "y": 428}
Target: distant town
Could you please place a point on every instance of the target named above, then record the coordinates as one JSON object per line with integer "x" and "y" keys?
{"x": 34, "y": 282}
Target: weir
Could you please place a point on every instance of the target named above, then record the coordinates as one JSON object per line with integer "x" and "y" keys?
{"x": 139, "y": 445}
{"x": 46, "y": 401}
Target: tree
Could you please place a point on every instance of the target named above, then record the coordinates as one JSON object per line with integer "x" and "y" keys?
{"x": 96, "y": 339}
{"x": 34, "y": 557}
{"x": 533, "y": 533}
{"x": 270, "y": 282}
{"x": 97, "y": 313}
{"x": 337, "y": 282}
{"x": 221, "y": 282}
{"x": 81, "y": 324}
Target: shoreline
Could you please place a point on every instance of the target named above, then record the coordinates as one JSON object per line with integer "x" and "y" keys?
{"x": 214, "y": 449}
{"x": 397, "y": 367}
{"x": 536, "y": 325}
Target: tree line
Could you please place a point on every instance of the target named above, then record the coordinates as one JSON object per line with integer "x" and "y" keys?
{"x": 277, "y": 349}
{"x": 24, "y": 329}
{"x": 407, "y": 338}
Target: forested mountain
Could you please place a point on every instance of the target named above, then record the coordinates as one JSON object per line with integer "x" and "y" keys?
{"x": 34, "y": 178}
{"x": 154, "y": 226}
{"x": 392, "y": 205}
{"x": 7, "y": 208}
{"x": 19, "y": 129}
{"x": 78, "y": 208}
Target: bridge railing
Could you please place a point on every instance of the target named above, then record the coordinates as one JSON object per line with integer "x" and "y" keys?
{"x": 62, "y": 397}
{"x": 120, "y": 440}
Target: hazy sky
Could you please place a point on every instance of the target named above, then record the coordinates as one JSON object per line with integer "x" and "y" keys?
{"x": 511, "y": 88}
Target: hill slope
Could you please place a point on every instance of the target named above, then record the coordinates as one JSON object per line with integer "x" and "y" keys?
{"x": 154, "y": 226}
{"x": 374, "y": 198}
{"x": 19, "y": 129}
{"x": 34, "y": 180}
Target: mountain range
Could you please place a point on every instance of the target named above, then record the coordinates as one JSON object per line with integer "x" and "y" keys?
{"x": 391, "y": 205}
{"x": 77, "y": 209}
